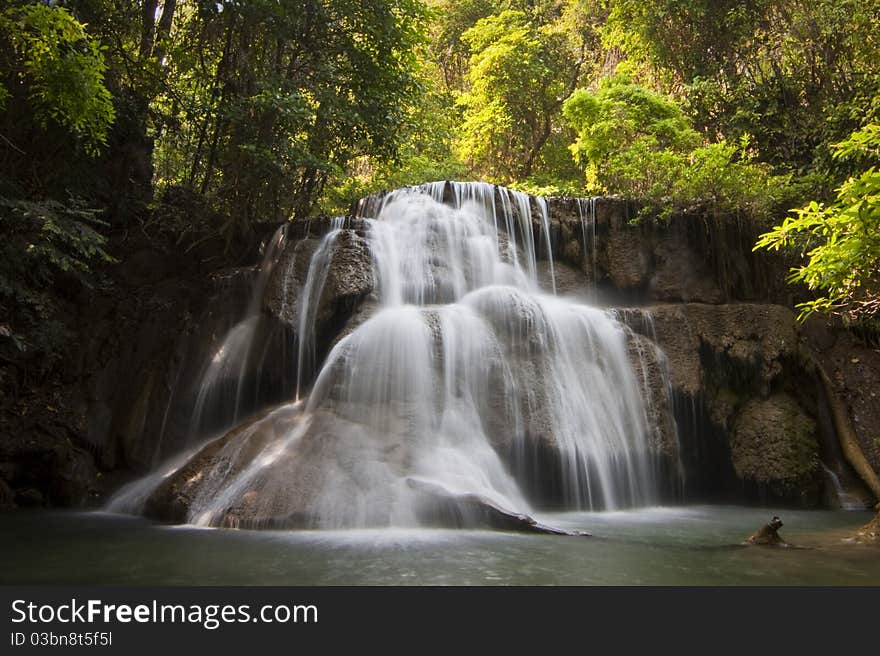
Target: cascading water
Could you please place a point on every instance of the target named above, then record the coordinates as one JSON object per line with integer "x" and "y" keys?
{"x": 309, "y": 298}
{"x": 586, "y": 208}
{"x": 223, "y": 380}
{"x": 468, "y": 383}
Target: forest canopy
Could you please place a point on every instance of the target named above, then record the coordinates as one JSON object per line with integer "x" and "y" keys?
{"x": 194, "y": 119}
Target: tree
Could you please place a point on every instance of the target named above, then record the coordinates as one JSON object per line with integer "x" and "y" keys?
{"x": 52, "y": 73}
{"x": 793, "y": 75}
{"x": 841, "y": 240}
{"x": 280, "y": 97}
{"x": 520, "y": 72}
{"x": 622, "y": 116}
{"x": 635, "y": 142}
{"x": 56, "y": 110}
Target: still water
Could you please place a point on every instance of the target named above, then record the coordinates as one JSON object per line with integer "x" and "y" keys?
{"x": 695, "y": 545}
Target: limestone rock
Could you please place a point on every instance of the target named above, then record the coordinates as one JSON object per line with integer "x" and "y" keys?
{"x": 651, "y": 369}
{"x": 679, "y": 275}
{"x": 627, "y": 263}
{"x": 349, "y": 279}
{"x": 773, "y": 444}
{"x": 697, "y": 337}
{"x": 289, "y": 274}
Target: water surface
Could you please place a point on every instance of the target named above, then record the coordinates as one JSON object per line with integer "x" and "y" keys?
{"x": 693, "y": 545}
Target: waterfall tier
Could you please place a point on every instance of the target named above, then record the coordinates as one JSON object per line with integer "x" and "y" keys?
{"x": 456, "y": 382}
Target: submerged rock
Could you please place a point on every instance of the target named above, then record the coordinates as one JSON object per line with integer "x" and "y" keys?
{"x": 440, "y": 507}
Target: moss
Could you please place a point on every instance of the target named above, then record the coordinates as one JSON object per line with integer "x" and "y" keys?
{"x": 774, "y": 444}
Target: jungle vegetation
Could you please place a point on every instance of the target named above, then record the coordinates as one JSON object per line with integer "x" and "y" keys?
{"x": 194, "y": 119}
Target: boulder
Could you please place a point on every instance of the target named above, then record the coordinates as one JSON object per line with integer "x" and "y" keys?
{"x": 347, "y": 280}
{"x": 773, "y": 444}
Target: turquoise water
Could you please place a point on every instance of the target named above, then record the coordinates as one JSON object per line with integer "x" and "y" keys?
{"x": 695, "y": 545}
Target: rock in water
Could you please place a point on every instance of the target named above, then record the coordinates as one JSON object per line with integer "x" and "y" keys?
{"x": 768, "y": 535}
{"x": 870, "y": 532}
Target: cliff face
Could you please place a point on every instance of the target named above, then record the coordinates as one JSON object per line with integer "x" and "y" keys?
{"x": 124, "y": 393}
{"x": 764, "y": 405}
{"x": 755, "y": 418}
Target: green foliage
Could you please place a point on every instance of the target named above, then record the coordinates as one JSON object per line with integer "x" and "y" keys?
{"x": 841, "y": 240}
{"x": 796, "y": 76}
{"x": 244, "y": 112}
{"x": 520, "y": 71}
{"x": 636, "y": 143}
{"x": 46, "y": 244}
{"x": 63, "y": 68}
{"x": 281, "y": 97}
{"x": 623, "y": 116}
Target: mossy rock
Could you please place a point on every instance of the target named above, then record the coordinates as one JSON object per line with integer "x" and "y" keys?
{"x": 773, "y": 445}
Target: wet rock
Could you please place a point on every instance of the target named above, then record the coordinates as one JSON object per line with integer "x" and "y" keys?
{"x": 652, "y": 372}
{"x": 679, "y": 275}
{"x": 349, "y": 280}
{"x": 773, "y": 444}
{"x": 768, "y": 535}
{"x": 692, "y": 257}
{"x": 628, "y": 265}
{"x": 735, "y": 370}
{"x": 440, "y": 507}
{"x": 697, "y": 338}
{"x": 569, "y": 281}
{"x": 281, "y": 296}
{"x": 173, "y": 500}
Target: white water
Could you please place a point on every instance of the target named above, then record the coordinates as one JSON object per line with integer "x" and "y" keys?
{"x": 224, "y": 374}
{"x": 846, "y": 500}
{"x": 469, "y": 379}
{"x": 587, "y": 215}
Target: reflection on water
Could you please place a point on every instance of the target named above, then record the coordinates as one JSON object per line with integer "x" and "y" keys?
{"x": 660, "y": 546}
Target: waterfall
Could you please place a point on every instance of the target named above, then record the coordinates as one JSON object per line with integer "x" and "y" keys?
{"x": 224, "y": 378}
{"x": 511, "y": 214}
{"x": 469, "y": 380}
{"x": 308, "y": 303}
{"x": 587, "y": 214}
{"x": 846, "y": 500}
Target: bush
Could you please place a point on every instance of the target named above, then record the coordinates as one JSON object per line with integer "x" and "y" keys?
{"x": 840, "y": 241}
{"x": 44, "y": 244}
{"x": 636, "y": 143}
